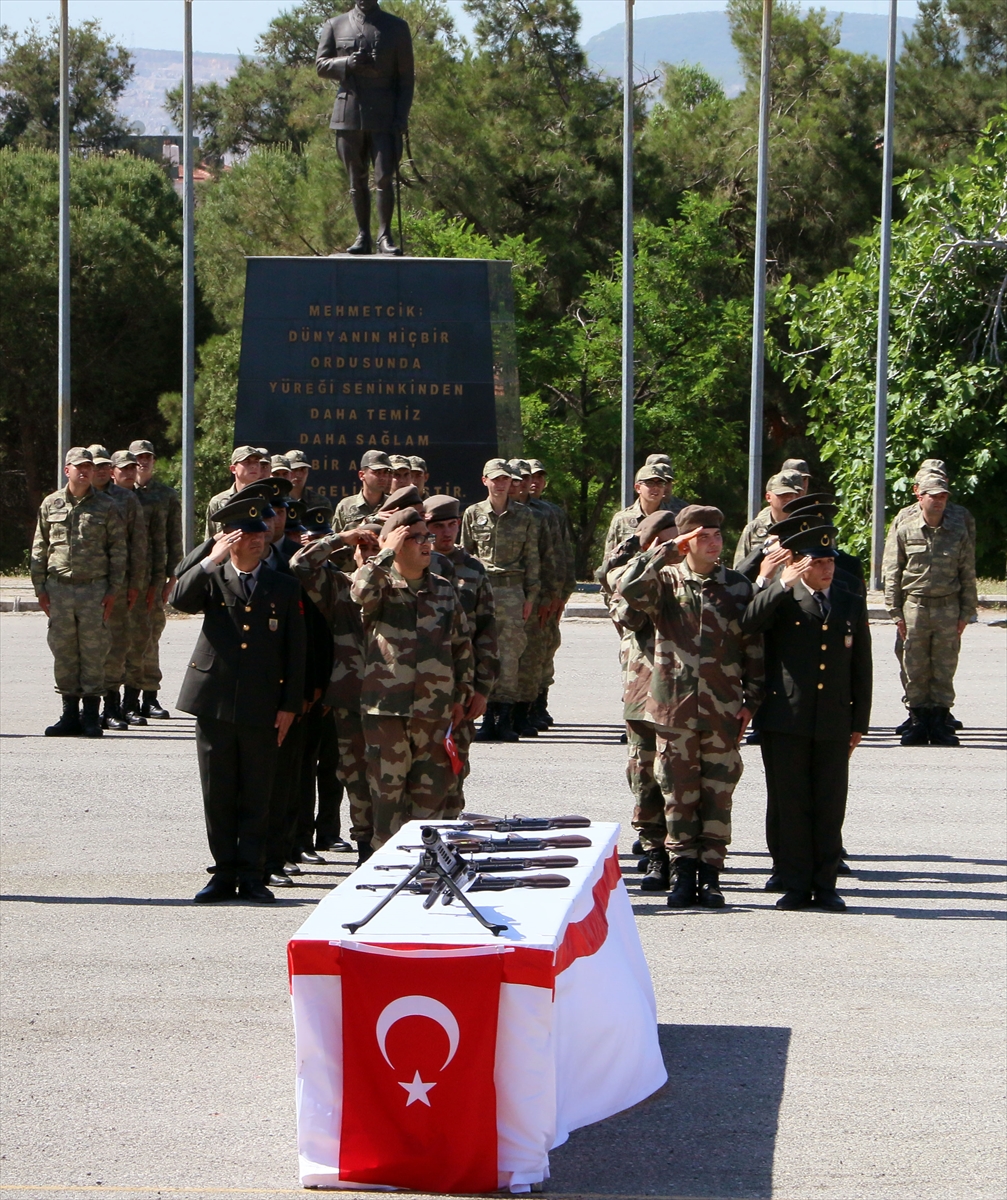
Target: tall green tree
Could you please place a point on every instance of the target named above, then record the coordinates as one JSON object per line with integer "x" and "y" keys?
{"x": 100, "y": 70}
{"x": 948, "y": 350}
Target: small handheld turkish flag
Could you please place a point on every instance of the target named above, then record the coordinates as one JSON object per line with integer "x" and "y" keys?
{"x": 451, "y": 750}
{"x": 419, "y": 1049}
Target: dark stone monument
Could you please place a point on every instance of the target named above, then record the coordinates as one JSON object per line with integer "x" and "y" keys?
{"x": 412, "y": 356}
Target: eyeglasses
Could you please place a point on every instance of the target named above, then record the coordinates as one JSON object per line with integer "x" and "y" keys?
{"x": 420, "y": 538}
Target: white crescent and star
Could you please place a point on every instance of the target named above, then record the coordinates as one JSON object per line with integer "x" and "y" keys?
{"x": 417, "y": 1006}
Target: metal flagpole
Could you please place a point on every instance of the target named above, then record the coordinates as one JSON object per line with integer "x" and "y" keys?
{"x": 884, "y": 282}
{"x": 759, "y": 306}
{"x": 188, "y": 298}
{"x": 627, "y": 263}
{"x": 63, "y": 419}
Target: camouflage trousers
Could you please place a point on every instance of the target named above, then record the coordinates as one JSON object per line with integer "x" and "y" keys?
{"x": 408, "y": 770}
{"x": 118, "y": 642}
{"x": 553, "y": 639}
{"x": 150, "y": 670}
{"x": 139, "y": 635}
{"x": 930, "y": 654}
{"x": 698, "y": 770}
{"x": 78, "y": 636}
{"x": 532, "y": 666}
{"x": 511, "y": 638}
{"x": 463, "y": 735}
{"x": 352, "y": 772}
{"x": 648, "y": 808}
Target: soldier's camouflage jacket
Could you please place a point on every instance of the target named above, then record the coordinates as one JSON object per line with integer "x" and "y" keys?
{"x": 950, "y": 510}
{"x": 170, "y": 503}
{"x": 925, "y": 562}
{"x": 753, "y": 535}
{"x": 352, "y": 511}
{"x": 329, "y": 590}
{"x": 418, "y": 658}
{"x": 215, "y": 505}
{"x": 473, "y": 586}
{"x": 79, "y": 540}
{"x": 564, "y": 540}
{"x": 506, "y": 545}
{"x": 636, "y": 634}
{"x": 624, "y": 522}
{"x": 155, "y": 517}
{"x": 137, "y": 555}
{"x": 705, "y": 667}
{"x": 552, "y": 554}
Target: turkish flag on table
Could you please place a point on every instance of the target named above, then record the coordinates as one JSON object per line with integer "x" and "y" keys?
{"x": 419, "y": 1048}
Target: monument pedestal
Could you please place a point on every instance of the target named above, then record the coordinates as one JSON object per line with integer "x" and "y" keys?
{"x": 413, "y": 356}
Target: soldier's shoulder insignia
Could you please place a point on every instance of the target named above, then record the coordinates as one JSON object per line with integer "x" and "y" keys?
{"x": 59, "y": 502}
{"x": 632, "y": 522}
{"x": 482, "y": 519}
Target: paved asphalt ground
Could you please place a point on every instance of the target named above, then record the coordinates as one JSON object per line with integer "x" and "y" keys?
{"x": 147, "y": 1043}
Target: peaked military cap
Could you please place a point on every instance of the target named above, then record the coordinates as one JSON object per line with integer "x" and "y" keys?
{"x": 441, "y": 508}
{"x": 651, "y": 526}
{"x": 295, "y": 516}
{"x": 698, "y": 516}
{"x": 77, "y": 455}
{"x": 799, "y": 523}
{"x": 123, "y": 458}
{"x": 99, "y": 454}
{"x": 821, "y": 506}
{"x": 316, "y": 519}
{"x": 817, "y": 542}
{"x": 141, "y": 446}
{"x": 246, "y": 513}
{"x": 403, "y": 497}
{"x": 374, "y": 460}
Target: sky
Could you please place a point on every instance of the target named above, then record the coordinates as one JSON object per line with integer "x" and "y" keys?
{"x": 231, "y": 26}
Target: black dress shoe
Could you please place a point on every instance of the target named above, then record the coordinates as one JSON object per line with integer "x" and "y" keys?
{"x": 774, "y": 884}
{"x": 258, "y": 893}
{"x": 791, "y": 901}
{"x": 309, "y": 856}
{"x": 336, "y": 846}
{"x": 279, "y": 879}
{"x": 830, "y": 900}
{"x": 292, "y": 869}
{"x": 216, "y": 890}
{"x": 844, "y": 868}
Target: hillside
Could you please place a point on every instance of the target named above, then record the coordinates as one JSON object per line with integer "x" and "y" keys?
{"x": 705, "y": 38}
{"x": 159, "y": 70}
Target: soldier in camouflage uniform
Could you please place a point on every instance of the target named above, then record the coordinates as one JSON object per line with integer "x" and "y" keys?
{"x": 651, "y": 486}
{"x": 469, "y": 576}
{"x": 418, "y": 673}
{"x": 375, "y": 484}
{"x": 137, "y": 573}
{"x": 503, "y": 535}
{"x": 78, "y": 566}
{"x": 552, "y": 576}
{"x": 279, "y": 466}
{"x": 155, "y": 518}
{"x": 929, "y": 574}
{"x": 636, "y": 656}
{"x": 299, "y": 468}
{"x": 169, "y": 503}
{"x": 780, "y": 490}
{"x": 566, "y": 570}
{"x": 706, "y": 683}
{"x": 402, "y": 471}
{"x": 420, "y": 474}
{"x": 246, "y": 467}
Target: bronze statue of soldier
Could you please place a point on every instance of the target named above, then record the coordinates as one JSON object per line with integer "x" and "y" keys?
{"x": 370, "y": 53}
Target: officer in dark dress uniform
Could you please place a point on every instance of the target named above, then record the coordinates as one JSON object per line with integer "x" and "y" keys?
{"x": 244, "y": 685}
{"x": 816, "y": 709}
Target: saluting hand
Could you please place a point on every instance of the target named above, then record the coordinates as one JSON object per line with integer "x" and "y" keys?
{"x": 221, "y": 551}
{"x": 773, "y": 559}
{"x": 796, "y": 570}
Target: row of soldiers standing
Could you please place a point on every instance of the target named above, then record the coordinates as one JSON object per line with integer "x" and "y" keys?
{"x": 102, "y": 568}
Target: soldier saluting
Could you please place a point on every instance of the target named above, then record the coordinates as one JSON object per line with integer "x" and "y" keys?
{"x": 370, "y": 53}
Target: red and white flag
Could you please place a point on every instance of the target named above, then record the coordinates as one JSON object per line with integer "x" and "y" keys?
{"x": 419, "y": 1046}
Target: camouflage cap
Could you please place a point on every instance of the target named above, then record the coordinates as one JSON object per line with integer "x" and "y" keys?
{"x": 279, "y": 462}
{"x": 417, "y": 463}
{"x": 796, "y": 464}
{"x": 405, "y": 516}
{"x": 658, "y": 458}
{"x": 240, "y": 453}
{"x": 141, "y": 446}
{"x": 316, "y": 520}
{"x": 246, "y": 513}
{"x": 263, "y": 453}
{"x": 441, "y": 508}
{"x": 664, "y": 471}
{"x": 77, "y": 455}
{"x": 519, "y": 467}
{"x": 932, "y": 485}
{"x": 698, "y": 516}
{"x": 403, "y": 497}
{"x": 496, "y": 467}
{"x": 296, "y": 458}
{"x": 817, "y": 542}
{"x": 375, "y": 460}
{"x": 123, "y": 458}
{"x": 537, "y": 466}
{"x": 99, "y": 454}
{"x": 400, "y": 462}
{"x": 649, "y": 471}
{"x": 651, "y": 526}
{"x": 935, "y": 466}
{"x": 785, "y": 483}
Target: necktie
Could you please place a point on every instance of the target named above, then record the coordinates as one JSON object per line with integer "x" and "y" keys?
{"x": 247, "y": 582}
{"x": 823, "y": 604}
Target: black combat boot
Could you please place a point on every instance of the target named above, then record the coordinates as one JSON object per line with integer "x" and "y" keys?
{"x": 540, "y": 711}
{"x": 90, "y": 718}
{"x": 111, "y": 717}
{"x": 131, "y": 707}
{"x": 941, "y": 733}
{"x": 918, "y": 734}
{"x": 364, "y": 852}
{"x": 658, "y": 873}
{"x": 906, "y": 725}
{"x": 953, "y": 722}
{"x": 69, "y": 723}
{"x": 521, "y": 720}
{"x": 637, "y": 848}
{"x": 488, "y": 729}
{"x": 505, "y": 724}
{"x": 683, "y": 894}
{"x": 710, "y": 895}
{"x": 151, "y": 708}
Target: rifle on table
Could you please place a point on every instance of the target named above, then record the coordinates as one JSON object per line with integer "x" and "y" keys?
{"x": 478, "y": 883}
{"x": 472, "y": 843}
{"x": 516, "y": 824}
{"x": 441, "y": 873}
{"x": 550, "y": 862}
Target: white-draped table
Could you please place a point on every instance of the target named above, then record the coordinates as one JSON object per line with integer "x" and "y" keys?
{"x": 434, "y": 1056}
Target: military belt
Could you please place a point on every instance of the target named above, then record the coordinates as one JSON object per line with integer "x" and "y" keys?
{"x": 67, "y": 581}
{"x": 933, "y": 601}
{"x": 496, "y": 573}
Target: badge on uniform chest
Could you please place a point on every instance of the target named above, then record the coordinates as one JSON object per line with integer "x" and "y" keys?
{"x": 274, "y": 624}
{"x": 848, "y": 641}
